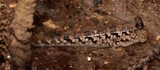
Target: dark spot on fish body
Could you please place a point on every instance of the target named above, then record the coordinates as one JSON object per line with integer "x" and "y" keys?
{"x": 115, "y": 34}
{"x": 83, "y": 42}
{"x": 44, "y": 41}
{"x": 95, "y": 42}
{"x": 107, "y": 36}
{"x": 79, "y": 40}
{"x": 89, "y": 38}
{"x": 56, "y": 41}
{"x": 66, "y": 37}
{"x": 125, "y": 33}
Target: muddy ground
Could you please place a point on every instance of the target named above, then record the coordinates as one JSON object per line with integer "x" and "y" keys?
{"x": 53, "y": 18}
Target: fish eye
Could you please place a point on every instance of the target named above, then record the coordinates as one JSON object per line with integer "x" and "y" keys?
{"x": 138, "y": 22}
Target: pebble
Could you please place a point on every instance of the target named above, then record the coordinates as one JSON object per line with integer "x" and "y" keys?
{"x": 12, "y": 5}
{"x": 50, "y": 24}
{"x": 89, "y": 58}
{"x": 158, "y": 37}
{"x": 1, "y": 5}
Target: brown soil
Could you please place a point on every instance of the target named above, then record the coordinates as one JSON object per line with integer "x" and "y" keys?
{"x": 76, "y": 16}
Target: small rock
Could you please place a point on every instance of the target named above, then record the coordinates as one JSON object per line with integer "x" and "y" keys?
{"x": 1, "y": 5}
{"x": 109, "y": 13}
{"x": 8, "y": 56}
{"x": 50, "y": 24}
{"x": 71, "y": 66}
{"x": 105, "y": 62}
{"x": 106, "y": 22}
{"x": 158, "y": 37}
{"x": 13, "y": 5}
{"x": 88, "y": 3}
{"x": 89, "y": 58}
{"x": 145, "y": 67}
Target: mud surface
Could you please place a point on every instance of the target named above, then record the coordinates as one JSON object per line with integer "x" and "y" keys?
{"x": 54, "y": 18}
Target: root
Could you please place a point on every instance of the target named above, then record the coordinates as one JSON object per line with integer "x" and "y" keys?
{"x": 19, "y": 36}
